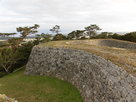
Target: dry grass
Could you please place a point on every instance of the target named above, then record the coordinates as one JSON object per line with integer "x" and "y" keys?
{"x": 124, "y": 58}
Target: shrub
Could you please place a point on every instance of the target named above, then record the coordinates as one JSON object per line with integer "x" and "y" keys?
{"x": 102, "y": 35}
{"x": 59, "y": 37}
{"x": 11, "y": 59}
{"x": 24, "y": 52}
{"x": 130, "y": 37}
{"x": 8, "y": 57}
{"x": 116, "y": 36}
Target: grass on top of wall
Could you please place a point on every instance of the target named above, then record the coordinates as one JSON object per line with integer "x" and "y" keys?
{"x": 26, "y": 88}
{"x": 125, "y": 58}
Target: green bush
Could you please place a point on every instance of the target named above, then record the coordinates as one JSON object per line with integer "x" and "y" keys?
{"x": 24, "y": 52}
{"x": 102, "y": 35}
{"x": 116, "y": 36}
{"x": 59, "y": 37}
{"x": 130, "y": 37}
{"x": 12, "y": 59}
{"x": 8, "y": 57}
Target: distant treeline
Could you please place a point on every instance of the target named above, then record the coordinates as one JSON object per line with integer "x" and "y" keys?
{"x": 79, "y": 34}
{"x": 89, "y": 32}
{"x": 128, "y": 36}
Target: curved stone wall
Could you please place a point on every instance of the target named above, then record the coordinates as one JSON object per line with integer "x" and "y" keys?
{"x": 97, "y": 79}
{"x": 118, "y": 44}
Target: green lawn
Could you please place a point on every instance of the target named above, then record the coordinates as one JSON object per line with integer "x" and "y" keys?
{"x": 38, "y": 88}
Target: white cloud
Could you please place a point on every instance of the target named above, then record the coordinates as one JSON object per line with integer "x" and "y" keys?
{"x": 111, "y": 15}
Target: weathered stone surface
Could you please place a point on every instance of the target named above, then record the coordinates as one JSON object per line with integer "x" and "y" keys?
{"x": 118, "y": 44}
{"x": 97, "y": 79}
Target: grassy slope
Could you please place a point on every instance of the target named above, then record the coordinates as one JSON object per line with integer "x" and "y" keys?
{"x": 38, "y": 89}
{"x": 124, "y": 58}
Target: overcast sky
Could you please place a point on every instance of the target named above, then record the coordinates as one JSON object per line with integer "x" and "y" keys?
{"x": 110, "y": 15}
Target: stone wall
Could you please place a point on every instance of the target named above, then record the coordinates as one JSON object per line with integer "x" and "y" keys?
{"x": 118, "y": 44}
{"x": 97, "y": 79}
